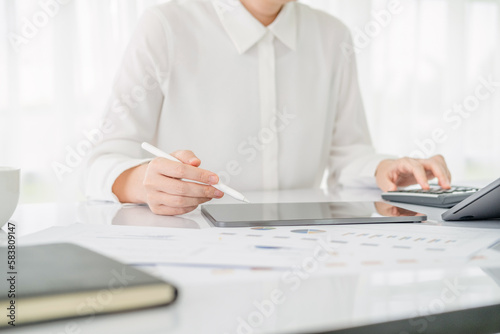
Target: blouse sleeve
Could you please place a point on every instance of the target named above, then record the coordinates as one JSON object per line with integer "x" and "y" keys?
{"x": 353, "y": 160}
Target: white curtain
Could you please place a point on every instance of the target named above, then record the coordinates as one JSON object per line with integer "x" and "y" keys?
{"x": 416, "y": 65}
{"x": 57, "y": 59}
{"x": 421, "y": 65}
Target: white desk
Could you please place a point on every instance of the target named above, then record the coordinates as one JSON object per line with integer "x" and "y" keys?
{"x": 323, "y": 302}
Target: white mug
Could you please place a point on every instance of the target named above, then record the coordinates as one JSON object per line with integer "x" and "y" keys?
{"x": 9, "y": 192}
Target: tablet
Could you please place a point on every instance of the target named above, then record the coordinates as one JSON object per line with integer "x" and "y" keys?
{"x": 484, "y": 204}
{"x": 293, "y": 214}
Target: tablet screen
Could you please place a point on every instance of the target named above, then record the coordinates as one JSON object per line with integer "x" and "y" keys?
{"x": 239, "y": 215}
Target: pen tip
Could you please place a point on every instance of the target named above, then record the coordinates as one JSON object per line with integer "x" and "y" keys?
{"x": 245, "y": 200}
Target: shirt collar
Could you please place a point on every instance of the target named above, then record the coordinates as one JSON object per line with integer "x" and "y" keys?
{"x": 245, "y": 30}
{"x": 285, "y": 26}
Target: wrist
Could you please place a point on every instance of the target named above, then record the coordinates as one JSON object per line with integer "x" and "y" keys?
{"x": 129, "y": 187}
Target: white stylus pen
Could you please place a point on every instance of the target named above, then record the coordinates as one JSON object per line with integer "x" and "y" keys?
{"x": 222, "y": 187}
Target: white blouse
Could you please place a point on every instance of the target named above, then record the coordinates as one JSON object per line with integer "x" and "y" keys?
{"x": 263, "y": 107}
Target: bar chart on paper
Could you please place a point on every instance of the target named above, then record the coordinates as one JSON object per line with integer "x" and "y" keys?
{"x": 380, "y": 245}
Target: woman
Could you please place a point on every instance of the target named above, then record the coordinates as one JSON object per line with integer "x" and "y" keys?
{"x": 261, "y": 92}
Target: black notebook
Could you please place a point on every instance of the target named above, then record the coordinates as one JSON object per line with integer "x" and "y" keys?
{"x": 58, "y": 281}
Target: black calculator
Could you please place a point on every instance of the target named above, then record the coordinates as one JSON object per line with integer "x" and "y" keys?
{"x": 435, "y": 196}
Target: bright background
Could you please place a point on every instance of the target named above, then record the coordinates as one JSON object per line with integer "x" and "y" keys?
{"x": 428, "y": 58}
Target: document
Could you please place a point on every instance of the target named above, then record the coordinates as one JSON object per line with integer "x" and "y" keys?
{"x": 326, "y": 248}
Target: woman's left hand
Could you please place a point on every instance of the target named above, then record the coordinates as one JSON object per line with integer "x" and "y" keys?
{"x": 403, "y": 172}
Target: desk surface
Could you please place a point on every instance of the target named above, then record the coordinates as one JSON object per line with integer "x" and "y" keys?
{"x": 263, "y": 301}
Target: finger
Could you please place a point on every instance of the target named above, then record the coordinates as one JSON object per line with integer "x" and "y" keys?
{"x": 170, "y": 211}
{"x": 187, "y": 157}
{"x": 448, "y": 173}
{"x": 443, "y": 175}
{"x": 161, "y": 198}
{"x": 443, "y": 162}
{"x": 438, "y": 170}
{"x": 183, "y": 171}
{"x": 418, "y": 172}
{"x": 187, "y": 189}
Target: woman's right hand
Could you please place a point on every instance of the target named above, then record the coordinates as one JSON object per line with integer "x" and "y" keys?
{"x": 159, "y": 185}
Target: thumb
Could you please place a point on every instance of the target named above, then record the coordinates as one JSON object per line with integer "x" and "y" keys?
{"x": 383, "y": 176}
{"x": 385, "y": 183}
{"x": 187, "y": 157}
